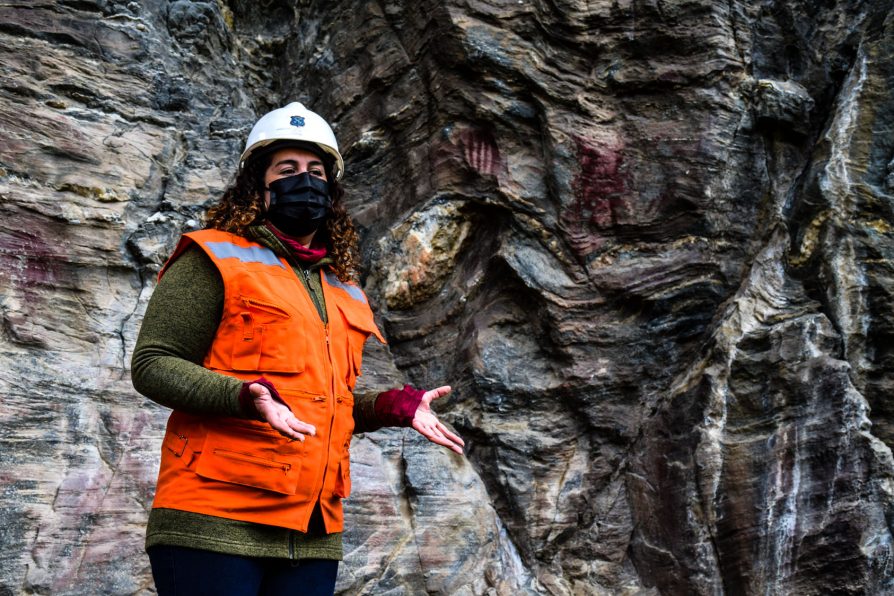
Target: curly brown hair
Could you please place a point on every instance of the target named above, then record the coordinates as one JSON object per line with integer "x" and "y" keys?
{"x": 242, "y": 206}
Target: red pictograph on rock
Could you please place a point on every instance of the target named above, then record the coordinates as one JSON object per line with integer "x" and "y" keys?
{"x": 480, "y": 151}
{"x": 600, "y": 190}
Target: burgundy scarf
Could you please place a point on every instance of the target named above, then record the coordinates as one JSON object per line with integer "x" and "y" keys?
{"x": 307, "y": 255}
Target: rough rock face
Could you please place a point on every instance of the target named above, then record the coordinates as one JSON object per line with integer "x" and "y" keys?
{"x": 648, "y": 242}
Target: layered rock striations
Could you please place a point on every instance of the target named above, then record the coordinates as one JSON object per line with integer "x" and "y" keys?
{"x": 648, "y": 243}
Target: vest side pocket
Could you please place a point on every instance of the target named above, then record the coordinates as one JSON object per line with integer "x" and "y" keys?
{"x": 343, "y": 480}
{"x": 344, "y": 428}
{"x": 252, "y": 457}
{"x": 179, "y": 441}
{"x": 175, "y": 443}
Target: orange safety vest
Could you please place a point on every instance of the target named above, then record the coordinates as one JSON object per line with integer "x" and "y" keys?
{"x": 242, "y": 469}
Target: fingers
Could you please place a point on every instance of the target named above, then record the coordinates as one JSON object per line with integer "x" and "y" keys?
{"x": 436, "y": 393}
{"x": 282, "y": 420}
{"x": 284, "y": 426}
{"x": 291, "y": 427}
{"x": 452, "y": 437}
{"x": 440, "y": 439}
{"x": 301, "y": 427}
{"x": 437, "y": 433}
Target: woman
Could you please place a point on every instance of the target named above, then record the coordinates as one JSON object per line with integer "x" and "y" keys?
{"x": 254, "y": 337}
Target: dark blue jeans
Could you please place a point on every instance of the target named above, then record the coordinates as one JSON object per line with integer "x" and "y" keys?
{"x": 180, "y": 571}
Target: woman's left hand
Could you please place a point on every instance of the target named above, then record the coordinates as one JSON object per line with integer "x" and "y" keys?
{"x": 427, "y": 424}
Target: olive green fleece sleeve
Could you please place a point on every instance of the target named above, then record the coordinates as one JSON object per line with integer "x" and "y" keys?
{"x": 365, "y": 419}
{"x": 180, "y": 323}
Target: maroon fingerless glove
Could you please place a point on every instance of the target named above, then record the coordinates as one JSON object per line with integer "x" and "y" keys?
{"x": 247, "y": 402}
{"x": 397, "y": 407}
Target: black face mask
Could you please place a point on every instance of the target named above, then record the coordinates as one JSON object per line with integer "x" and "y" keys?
{"x": 299, "y": 204}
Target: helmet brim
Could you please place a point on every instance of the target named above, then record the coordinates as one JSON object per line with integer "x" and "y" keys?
{"x": 331, "y": 158}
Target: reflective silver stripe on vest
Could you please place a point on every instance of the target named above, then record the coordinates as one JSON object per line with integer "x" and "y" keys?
{"x": 355, "y": 292}
{"x": 246, "y": 254}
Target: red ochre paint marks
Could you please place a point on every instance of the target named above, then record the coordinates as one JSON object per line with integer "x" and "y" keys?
{"x": 600, "y": 190}
{"x": 480, "y": 151}
{"x": 28, "y": 260}
{"x": 29, "y": 268}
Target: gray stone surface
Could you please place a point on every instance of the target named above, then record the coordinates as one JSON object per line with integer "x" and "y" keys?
{"x": 648, "y": 242}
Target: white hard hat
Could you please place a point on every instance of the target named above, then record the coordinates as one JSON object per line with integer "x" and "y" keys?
{"x": 293, "y": 123}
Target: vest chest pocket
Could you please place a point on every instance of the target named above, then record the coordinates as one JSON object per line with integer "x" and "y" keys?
{"x": 359, "y": 325}
{"x": 266, "y": 338}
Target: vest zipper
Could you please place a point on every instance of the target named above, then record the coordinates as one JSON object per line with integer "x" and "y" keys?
{"x": 306, "y": 273}
{"x": 292, "y": 544}
{"x": 331, "y": 422}
{"x": 320, "y": 306}
{"x": 310, "y": 295}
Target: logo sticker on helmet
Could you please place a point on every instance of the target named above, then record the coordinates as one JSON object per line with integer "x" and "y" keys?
{"x": 297, "y": 121}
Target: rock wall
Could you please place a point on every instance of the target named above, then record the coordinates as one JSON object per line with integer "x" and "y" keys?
{"x": 648, "y": 242}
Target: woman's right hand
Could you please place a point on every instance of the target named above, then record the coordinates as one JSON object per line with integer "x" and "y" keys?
{"x": 278, "y": 415}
